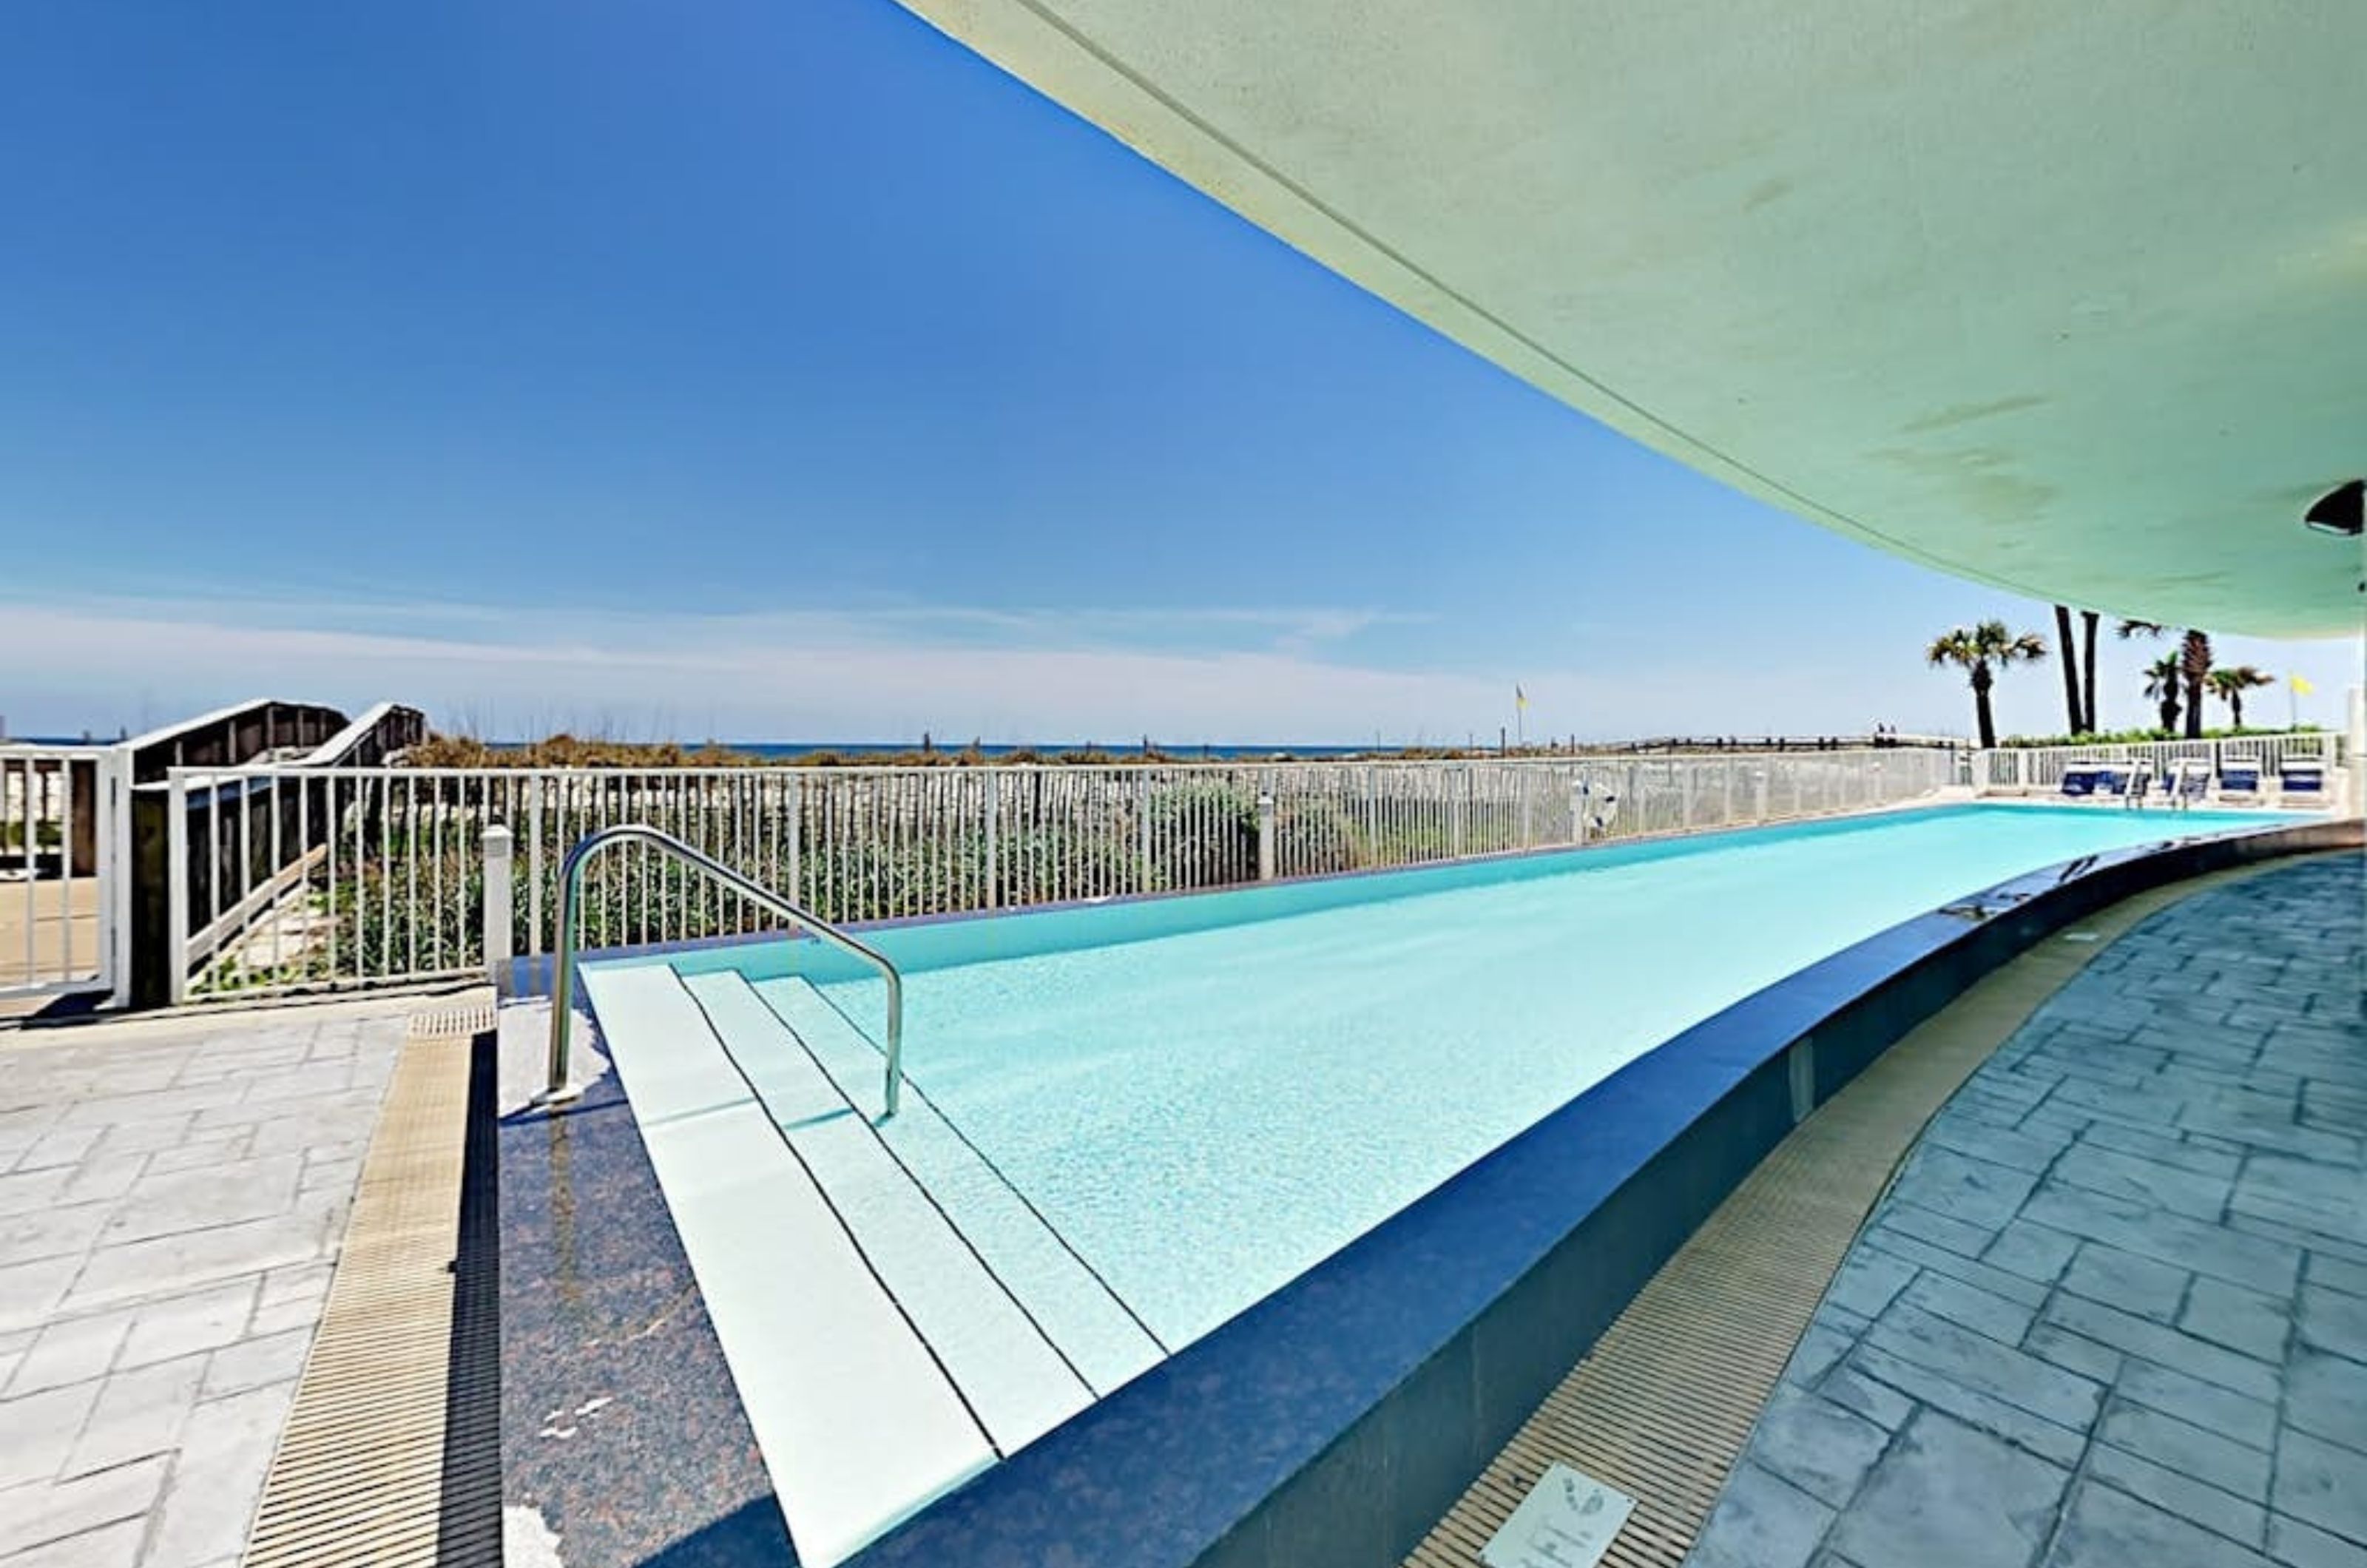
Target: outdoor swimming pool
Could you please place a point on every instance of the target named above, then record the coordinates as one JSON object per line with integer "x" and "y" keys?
{"x": 1205, "y": 1114}
{"x": 1130, "y": 1122}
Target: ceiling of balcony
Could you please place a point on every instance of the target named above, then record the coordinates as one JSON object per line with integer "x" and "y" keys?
{"x": 2069, "y": 298}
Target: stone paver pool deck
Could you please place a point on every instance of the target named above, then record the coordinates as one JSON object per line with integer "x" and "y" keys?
{"x": 173, "y": 1196}
{"x": 2113, "y": 1311}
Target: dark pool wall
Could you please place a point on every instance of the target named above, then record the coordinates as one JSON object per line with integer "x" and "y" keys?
{"x": 1332, "y": 1425}
{"x": 622, "y": 1432}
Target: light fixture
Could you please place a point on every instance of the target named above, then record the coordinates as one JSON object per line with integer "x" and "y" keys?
{"x": 2337, "y": 510}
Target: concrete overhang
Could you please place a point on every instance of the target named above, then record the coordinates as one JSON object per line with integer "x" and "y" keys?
{"x": 2068, "y": 298}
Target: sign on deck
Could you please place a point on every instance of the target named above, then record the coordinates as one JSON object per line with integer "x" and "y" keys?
{"x": 1565, "y": 1521}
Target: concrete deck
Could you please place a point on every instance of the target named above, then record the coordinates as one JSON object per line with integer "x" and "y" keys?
{"x": 173, "y": 1196}
{"x": 2114, "y": 1310}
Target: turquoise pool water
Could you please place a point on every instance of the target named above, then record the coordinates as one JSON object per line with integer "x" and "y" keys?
{"x": 1207, "y": 1096}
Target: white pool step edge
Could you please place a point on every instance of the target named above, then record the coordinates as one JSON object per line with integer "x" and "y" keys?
{"x": 864, "y": 1430}
{"x": 1095, "y": 1331}
{"x": 1006, "y": 1369}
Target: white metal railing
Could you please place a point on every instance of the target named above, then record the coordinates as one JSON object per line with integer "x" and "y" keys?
{"x": 286, "y": 876}
{"x": 2038, "y": 769}
{"x": 559, "y": 1085}
{"x": 62, "y": 839}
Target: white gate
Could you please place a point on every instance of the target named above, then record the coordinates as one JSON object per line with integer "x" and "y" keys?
{"x": 66, "y": 832}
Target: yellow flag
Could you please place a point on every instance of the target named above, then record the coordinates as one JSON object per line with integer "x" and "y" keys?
{"x": 2301, "y": 686}
{"x": 1520, "y": 697}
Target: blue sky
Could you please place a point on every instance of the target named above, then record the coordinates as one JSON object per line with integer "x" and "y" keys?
{"x": 759, "y": 370}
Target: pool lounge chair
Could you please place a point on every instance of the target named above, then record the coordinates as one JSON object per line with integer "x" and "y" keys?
{"x": 2302, "y": 777}
{"x": 2189, "y": 782}
{"x": 2084, "y": 780}
{"x": 2239, "y": 776}
{"x": 2137, "y": 784}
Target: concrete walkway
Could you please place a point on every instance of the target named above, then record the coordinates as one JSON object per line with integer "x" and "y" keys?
{"x": 2113, "y": 1313}
{"x": 172, "y": 1198}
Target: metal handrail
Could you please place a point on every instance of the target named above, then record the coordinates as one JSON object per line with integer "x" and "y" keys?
{"x": 571, "y": 892}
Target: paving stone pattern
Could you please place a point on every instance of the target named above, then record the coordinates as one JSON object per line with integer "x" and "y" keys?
{"x": 171, "y": 1198}
{"x": 2114, "y": 1313}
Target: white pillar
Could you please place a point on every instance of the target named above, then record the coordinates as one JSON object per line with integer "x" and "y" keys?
{"x": 2356, "y": 739}
{"x": 501, "y": 849}
{"x": 1265, "y": 837}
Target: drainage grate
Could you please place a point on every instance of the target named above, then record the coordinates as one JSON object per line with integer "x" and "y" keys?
{"x": 391, "y": 1448}
{"x": 470, "y": 1019}
{"x": 1662, "y": 1404}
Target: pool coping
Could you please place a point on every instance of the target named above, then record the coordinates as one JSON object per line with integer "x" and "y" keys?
{"x": 1336, "y": 1419}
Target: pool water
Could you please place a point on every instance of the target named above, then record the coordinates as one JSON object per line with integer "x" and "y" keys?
{"x": 1202, "y": 1113}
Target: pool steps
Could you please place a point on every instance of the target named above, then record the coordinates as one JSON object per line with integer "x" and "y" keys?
{"x": 889, "y": 1341}
{"x": 1003, "y": 1367}
{"x": 865, "y": 1427}
{"x": 1100, "y": 1339}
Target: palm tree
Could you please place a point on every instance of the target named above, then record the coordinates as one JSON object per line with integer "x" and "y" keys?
{"x": 2070, "y": 669}
{"x": 1981, "y": 651}
{"x": 2193, "y": 664}
{"x": 2087, "y": 619}
{"x": 2230, "y": 682}
{"x": 2163, "y": 680}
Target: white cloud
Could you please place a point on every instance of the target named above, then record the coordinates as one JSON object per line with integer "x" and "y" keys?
{"x": 891, "y": 671}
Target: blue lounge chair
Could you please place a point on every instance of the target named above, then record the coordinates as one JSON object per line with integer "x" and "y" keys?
{"x": 2239, "y": 775}
{"x": 2137, "y": 784}
{"x": 2082, "y": 780}
{"x": 2303, "y": 776}
{"x": 2190, "y": 781}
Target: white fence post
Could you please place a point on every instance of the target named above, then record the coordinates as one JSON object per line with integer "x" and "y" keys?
{"x": 1455, "y": 798}
{"x": 1265, "y": 835}
{"x": 501, "y": 847}
{"x": 795, "y": 807}
{"x": 993, "y": 810}
{"x": 115, "y": 870}
{"x": 177, "y": 886}
{"x": 534, "y": 865}
{"x": 1142, "y": 830}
